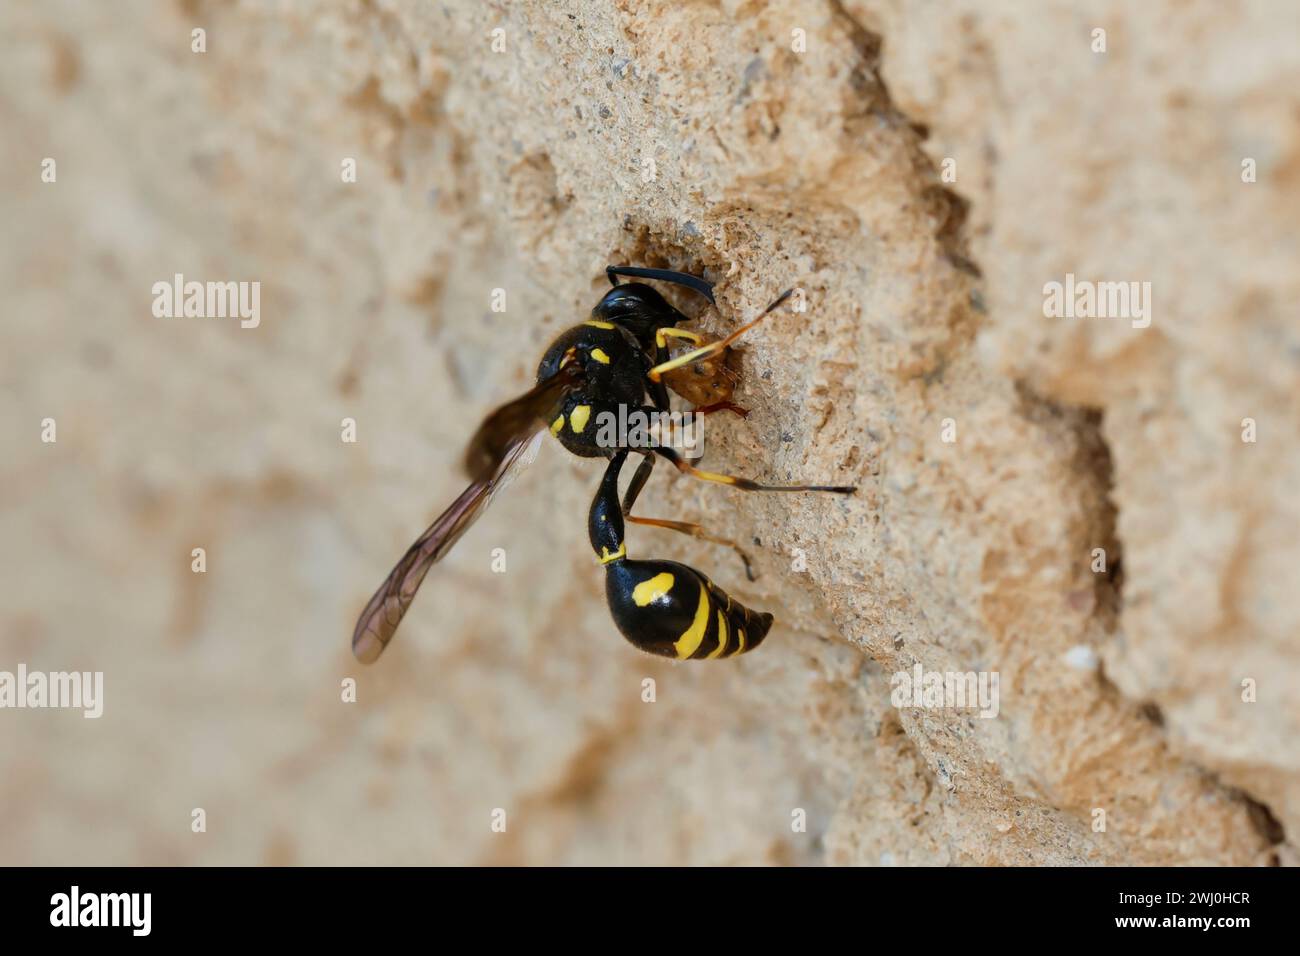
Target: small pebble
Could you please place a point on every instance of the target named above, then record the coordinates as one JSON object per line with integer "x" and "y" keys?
{"x": 1082, "y": 657}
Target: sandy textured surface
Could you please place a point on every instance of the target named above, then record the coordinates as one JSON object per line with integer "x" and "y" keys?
{"x": 802, "y": 144}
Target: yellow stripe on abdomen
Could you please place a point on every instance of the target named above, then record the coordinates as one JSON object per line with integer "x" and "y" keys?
{"x": 722, "y": 637}
{"x": 691, "y": 639}
{"x": 651, "y": 589}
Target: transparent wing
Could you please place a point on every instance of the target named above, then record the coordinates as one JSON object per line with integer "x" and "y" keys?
{"x": 505, "y": 441}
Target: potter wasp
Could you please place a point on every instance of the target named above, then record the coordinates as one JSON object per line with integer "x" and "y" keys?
{"x": 606, "y": 365}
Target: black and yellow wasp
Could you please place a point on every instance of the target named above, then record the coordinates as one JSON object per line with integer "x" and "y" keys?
{"x": 608, "y": 364}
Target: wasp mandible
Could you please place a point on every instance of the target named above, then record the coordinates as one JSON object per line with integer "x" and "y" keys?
{"x": 606, "y": 365}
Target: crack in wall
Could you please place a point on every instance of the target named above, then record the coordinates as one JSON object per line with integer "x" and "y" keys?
{"x": 947, "y": 207}
{"x": 950, "y": 211}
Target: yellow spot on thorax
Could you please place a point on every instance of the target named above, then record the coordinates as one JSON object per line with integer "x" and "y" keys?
{"x": 557, "y": 425}
{"x": 652, "y": 589}
{"x": 578, "y": 417}
{"x": 600, "y": 356}
{"x": 689, "y": 642}
{"x": 597, "y": 324}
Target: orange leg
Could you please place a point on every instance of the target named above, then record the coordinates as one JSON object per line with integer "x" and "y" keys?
{"x": 721, "y": 407}
{"x": 697, "y": 531}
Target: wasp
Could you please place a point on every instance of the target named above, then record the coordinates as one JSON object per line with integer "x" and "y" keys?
{"x": 614, "y": 361}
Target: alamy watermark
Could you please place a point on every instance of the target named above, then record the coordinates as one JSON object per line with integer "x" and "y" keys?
{"x": 83, "y": 690}
{"x": 130, "y": 910}
{"x": 633, "y": 427}
{"x": 1084, "y": 299}
{"x": 953, "y": 690}
{"x": 208, "y": 300}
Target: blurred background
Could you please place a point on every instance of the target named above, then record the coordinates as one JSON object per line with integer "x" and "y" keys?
{"x": 922, "y": 170}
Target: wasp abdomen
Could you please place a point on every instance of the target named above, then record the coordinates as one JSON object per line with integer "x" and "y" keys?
{"x": 672, "y": 610}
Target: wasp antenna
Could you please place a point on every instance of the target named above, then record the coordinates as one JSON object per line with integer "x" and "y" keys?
{"x": 779, "y": 299}
{"x": 695, "y": 283}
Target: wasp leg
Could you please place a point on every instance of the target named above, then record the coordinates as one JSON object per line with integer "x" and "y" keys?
{"x": 714, "y": 348}
{"x": 639, "y": 478}
{"x": 659, "y": 390}
{"x": 721, "y": 407}
{"x": 698, "y": 531}
{"x": 745, "y": 484}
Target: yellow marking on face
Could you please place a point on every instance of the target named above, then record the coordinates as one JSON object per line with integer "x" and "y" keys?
{"x": 722, "y": 638}
{"x": 578, "y": 417}
{"x": 600, "y": 356}
{"x": 597, "y": 324}
{"x": 741, "y": 648}
{"x": 690, "y": 641}
{"x": 557, "y": 425}
{"x": 606, "y": 557}
{"x": 652, "y": 589}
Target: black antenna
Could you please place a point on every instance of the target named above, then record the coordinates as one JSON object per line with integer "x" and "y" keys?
{"x": 664, "y": 275}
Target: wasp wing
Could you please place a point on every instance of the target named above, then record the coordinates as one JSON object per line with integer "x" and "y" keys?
{"x": 500, "y": 430}
{"x": 498, "y": 448}
{"x": 378, "y": 622}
